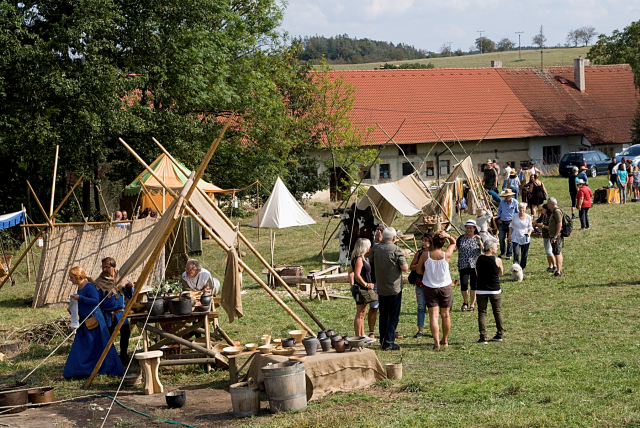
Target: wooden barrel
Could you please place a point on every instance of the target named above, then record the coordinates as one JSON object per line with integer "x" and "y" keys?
{"x": 394, "y": 370}
{"x": 286, "y": 386}
{"x": 245, "y": 398}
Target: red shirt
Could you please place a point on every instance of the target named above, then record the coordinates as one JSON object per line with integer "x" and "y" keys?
{"x": 585, "y": 193}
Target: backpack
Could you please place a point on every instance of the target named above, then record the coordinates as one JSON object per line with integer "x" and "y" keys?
{"x": 567, "y": 225}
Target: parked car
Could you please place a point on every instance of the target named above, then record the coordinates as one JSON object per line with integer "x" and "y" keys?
{"x": 595, "y": 161}
{"x": 631, "y": 152}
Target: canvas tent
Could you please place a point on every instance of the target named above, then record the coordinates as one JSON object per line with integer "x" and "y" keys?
{"x": 281, "y": 210}
{"x": 406, "y": 196}
{"x": 11, "y": 219}
{"x": 171, "y": 174}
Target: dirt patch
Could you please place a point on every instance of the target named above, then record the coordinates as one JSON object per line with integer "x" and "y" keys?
{"x": 205, "y": 407}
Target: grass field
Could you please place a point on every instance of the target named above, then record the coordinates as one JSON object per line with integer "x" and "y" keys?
{"x": 570, "y": 355}
{"x": 530, "y": 58}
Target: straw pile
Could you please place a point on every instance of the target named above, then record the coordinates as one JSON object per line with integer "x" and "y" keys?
{"x": 42, "y": 333}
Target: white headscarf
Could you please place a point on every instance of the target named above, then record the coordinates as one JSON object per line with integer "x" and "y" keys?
{"x": 199, "y": 281}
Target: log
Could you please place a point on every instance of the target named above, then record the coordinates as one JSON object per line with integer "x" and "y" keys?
{"x": 189, "y": 361}
{"x": 338, "y": 278}
{"x": 188, "y": 344}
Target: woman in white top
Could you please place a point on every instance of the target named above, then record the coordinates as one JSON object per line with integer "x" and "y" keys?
{"x": 520, "y": 231}
{"x": 436, "y": 280}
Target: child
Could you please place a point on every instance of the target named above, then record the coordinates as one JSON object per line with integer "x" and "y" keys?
{"x": 636, "y": 183}
{"x": 632, "y": 180}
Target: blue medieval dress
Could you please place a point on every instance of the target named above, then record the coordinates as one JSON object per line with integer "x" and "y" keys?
{"x": 113, "y": 309}
{"x": 89, "y": 344}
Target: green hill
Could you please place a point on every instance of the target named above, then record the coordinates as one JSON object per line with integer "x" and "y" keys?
{"x": 530, "y": 58}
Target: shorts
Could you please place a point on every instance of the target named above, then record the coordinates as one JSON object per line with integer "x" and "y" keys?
{"x": 636, "y": 184}
{"x": 372, "y": 305}
{"x": 556, "y": 247}
{"x": 438, "y": 297}
{"x": 547, "y": 246}
{"x": 468, "y": 279}
{"x": 573, "y": 199}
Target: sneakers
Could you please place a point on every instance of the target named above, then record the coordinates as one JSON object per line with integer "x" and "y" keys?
{"x": 482, "y": 341}
{"x": 496, "y": 338}
{"x": 573, "y": 217}
{"x": 557, "y": 275}
{"x": 552, "y": 269}
{"x": 393, "y": 347}
{"x": 418, "y": 335}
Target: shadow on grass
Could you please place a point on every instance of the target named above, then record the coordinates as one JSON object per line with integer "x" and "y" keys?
{"x": 13, "y": 303}
{"x": 608, "y": 284}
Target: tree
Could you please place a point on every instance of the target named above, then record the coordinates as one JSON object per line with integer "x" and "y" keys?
{"x": 458, "y": 52}
{"x": 585, "y": 34}
{"x": 505, "y": 45}
{"x": 539, "y": 39}
{"x": 573, "y": 38}
{"x": 622, "y": 47}
{"x": 445, "y": 49}
{"x": 485, "y": 45}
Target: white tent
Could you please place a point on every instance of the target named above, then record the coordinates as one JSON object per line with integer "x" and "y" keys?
{"x": 281, "y": 210}
{"x": 406, "y": 196}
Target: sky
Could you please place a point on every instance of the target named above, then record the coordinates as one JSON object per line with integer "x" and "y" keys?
{"x": 429, "y": 24}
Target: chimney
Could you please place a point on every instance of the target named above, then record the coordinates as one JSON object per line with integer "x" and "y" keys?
{"x": 578, "y": 73}
{"x": 496, "y": 64}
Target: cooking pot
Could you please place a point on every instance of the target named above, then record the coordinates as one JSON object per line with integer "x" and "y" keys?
{"x": 288, "y": 342}
{"x": 205, "y": 299}
{"x": 322, "y": 335}
{"x": 155, "y": 307}
{"x": 334, "y": 338}
{"x": 176, "y": 399}
{"x": 14, "y": 395}
{"x": 180, "y": 306}
{"x": 41, "y": 395}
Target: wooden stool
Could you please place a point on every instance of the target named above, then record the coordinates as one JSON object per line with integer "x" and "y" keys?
{"x": 149, "y": 362}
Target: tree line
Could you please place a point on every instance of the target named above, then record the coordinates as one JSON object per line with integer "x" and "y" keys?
{"x": 343, "y": 49}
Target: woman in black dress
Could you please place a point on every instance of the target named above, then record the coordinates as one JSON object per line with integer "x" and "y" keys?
{"x": 537, "y": 192}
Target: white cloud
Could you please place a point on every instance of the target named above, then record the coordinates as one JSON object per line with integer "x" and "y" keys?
{"x": 395, "y": 7}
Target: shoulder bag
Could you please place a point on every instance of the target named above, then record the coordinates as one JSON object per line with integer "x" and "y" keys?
{"x": 91, "y": 322}
{"x": 366, "y": 295}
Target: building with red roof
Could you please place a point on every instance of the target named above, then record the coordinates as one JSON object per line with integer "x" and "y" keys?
{"x": 518, "y": 113}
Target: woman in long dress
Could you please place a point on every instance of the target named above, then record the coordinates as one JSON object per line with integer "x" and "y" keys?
{"x": 91, "y": 338}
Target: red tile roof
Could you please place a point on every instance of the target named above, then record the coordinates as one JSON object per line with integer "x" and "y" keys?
{"x": 470, "y": 100}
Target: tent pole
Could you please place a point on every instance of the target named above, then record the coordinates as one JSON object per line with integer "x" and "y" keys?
{"x": 146, "y": 192}
{"x": 248, "y": 244}
{"x": 53, "y": 184}
{"x": 40, "y": 205}
{"x": 24, "y": 235}
{"x": 258, "y": 201}
{"x": 240, "y": 261}
{"x": 26, "y": 252}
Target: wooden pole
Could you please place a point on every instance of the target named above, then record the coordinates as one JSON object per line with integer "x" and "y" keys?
{"x": 53, "y": 184}
{"x": 26, "y": 243}
{"x": 93, "y": 223}
{"x": 258, "y": 200}
{"x": 247, "y": 243}
{"x": 146, "y": 192}
{"x": 106, "y": 209}
{"x": 41, "y": 230}
{"x": 44, "y": 213}
{"x": 224, "y": 246}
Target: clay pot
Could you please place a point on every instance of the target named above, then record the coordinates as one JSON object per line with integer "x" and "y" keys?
{"x": 326, "y": 344}
{"x": 288, "y": 342}
{"x": 310, "y": 345}
{"x": 334, "y": 338}
{"x": 339, "y": 345}
{"x": 176, "y": 399}
{"x": 330, "y": 333}
{"x": 322, "y": 335}
{"x": 205, "y": 299}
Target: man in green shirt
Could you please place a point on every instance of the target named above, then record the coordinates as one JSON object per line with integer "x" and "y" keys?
{"x": 555, "y": 227}
{"x": 388, "y": 263}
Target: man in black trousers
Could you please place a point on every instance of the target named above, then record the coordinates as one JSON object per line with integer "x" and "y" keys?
{"x": 389, "y": 262}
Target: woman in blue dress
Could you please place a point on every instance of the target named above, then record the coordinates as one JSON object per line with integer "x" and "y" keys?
{"x": 89, "y": 342}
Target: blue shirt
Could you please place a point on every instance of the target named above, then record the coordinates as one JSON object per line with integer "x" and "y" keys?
{"x": 584, "y": 177}
{"x": 506, "y": 210}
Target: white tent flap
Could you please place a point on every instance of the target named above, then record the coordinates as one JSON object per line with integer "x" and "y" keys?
{"x": 281, "y": 210}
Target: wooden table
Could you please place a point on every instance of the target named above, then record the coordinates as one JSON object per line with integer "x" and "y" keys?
{"x": 234, "y": 372}
{"x": 408, "y": 236}
{"x": 199, "y": 323}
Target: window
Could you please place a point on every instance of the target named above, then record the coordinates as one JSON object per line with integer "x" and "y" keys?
{"x": 430, "y": 170}
{"x": 409, "y": 149}
{"x": 365, "y": 174}
{"x": 407, "y": 168}
{"x": 550, "y": 155}
{"x": 444, "y": 167}
{"x": 384, "y": 171}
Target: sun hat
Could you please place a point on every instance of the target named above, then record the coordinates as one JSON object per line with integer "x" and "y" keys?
{"x": 471, "y": 223}
{"x": 583, "y": 168}
{"x": 512, "y": 172}
{"x": 580, "y": 181}
{"x": 507, "y": 192}
{"x": 489, "y": 161}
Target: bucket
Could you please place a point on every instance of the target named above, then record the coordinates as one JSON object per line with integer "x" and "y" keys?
{"x": 245, "y": 398}
{"x": 394, "y": 370}
{"x": 14, "y": 395}
{"x": 286, "y": 386}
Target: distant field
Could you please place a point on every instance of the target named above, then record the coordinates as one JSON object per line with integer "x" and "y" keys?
{"x": 530, "y": 58}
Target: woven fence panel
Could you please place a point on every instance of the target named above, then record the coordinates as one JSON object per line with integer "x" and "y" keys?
{"x": 86, "y": 246}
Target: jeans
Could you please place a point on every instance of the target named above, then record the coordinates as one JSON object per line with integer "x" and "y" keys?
{"x": 623, "y": 194}
{"x": 520, "y": 253}
{"x": 422, "y": 304}
{"x": 496, "y": 306}
{"x": 494, "y": 197}
{"x": 389, "y": 317}
{"x": 584, "y": 217}
{"x": 503, "y": 229}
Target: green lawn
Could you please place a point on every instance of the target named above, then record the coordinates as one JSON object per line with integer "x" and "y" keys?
{"x": 570, "y": 355}
{"x": 530, "y": 58}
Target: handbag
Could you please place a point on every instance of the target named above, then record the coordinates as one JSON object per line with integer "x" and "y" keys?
{"x": 366, "y": 295}
{"x": 91, "y": 322}
{"x": 413, "y": 275}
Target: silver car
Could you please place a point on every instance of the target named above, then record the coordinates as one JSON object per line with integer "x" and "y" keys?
{"x": 631, "y": 153}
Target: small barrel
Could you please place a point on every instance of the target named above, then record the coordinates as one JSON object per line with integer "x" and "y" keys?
{"x": 245, "y": 398}
{"x": 394, "y": 370}
{"x": 286, "y": 386}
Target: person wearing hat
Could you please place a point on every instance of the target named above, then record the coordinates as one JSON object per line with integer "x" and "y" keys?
{"x": 490, "y": 178}
{"x": 583, "y": 174}
{"x": 506, "y": 210}
{"x": 543, "y": 223}
{"x": 512, "y": 182}
{"x": 584, "y": 197}
{"x": 469, "y": 247}
{"x": 573, "y": 190}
